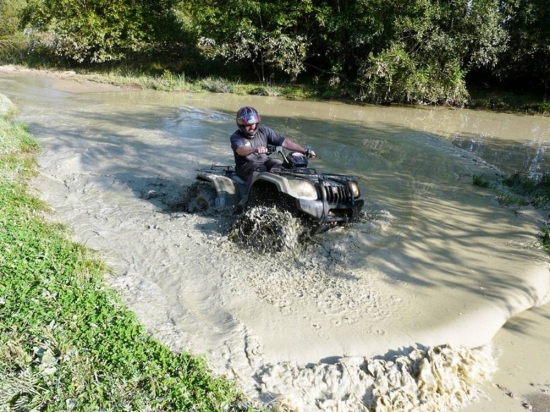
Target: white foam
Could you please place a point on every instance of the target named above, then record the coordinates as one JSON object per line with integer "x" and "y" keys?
{"x": 434, "y": 379}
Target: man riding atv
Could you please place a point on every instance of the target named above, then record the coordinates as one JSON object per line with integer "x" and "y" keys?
{"x": 322, "y": 199}
{"x": 249, "y": 144}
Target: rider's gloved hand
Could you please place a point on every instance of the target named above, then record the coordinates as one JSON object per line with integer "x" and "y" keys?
{"x": 309, "y": 153}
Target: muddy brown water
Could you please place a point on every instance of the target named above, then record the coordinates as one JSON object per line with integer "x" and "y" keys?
{"x": 437, "y": 262}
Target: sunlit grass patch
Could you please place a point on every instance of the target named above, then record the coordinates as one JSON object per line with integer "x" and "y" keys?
{"x": 15, "y": 137}
{"x": 15, "y": 145}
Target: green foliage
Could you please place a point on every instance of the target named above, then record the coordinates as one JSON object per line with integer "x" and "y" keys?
{"x": 400, "y": 51}
{"x": 13, "y": 43}
{"x": 10, "y": 16}
{"x": 430, "y": 51}
{"x": 527, "y": 58}
{"x": 97, "y": 31}
{"x": 479, "y": 181}
{"x": 267, "y": 34}
{"x": 420, "y": 51}
{"x": 66, "y": 341}
{"x": 13, "y": 50}
{"x": 394, "y": 76}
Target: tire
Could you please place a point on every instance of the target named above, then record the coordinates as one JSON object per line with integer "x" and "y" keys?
{"x": 206, "y": 199}
{"x": 269, "y": 196}
{"x": 262, "y": 196}
{"x": 201, "y": 197}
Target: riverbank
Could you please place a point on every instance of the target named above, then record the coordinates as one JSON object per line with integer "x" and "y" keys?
{"x": 514, "y": 387}
{"x": 480, "y": 99}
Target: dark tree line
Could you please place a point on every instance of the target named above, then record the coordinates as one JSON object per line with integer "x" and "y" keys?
{"x": 373, "y": 50}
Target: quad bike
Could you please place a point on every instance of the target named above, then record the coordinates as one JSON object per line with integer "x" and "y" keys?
{"x": 326, "y": 199}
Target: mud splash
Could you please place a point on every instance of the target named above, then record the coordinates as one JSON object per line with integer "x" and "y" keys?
{"x": 423, "y": 380}
{"x": 267, "y": 230}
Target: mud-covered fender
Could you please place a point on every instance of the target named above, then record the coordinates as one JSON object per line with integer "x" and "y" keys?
{"x": 296, "y": 188}
{"x": 227, "y": 189}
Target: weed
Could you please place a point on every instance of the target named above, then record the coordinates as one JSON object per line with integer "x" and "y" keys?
{"x": 545, "y": 238}
{"x": 216, "y": 85}
{"x": 479, "y": 181}
{"x": 527, "y": 190}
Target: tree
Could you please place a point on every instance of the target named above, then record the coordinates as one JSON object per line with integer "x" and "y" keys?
{"x": 527, "y": 59}
{"x": 434, "y": 44}
{"x": 10, "y": 16}
{"x": 270, "y": 35}
{"x": 97, "y": 31}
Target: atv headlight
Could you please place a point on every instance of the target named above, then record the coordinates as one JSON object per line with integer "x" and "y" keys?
{"x": 304, "y": 190}
{"x": 355, "y": 189}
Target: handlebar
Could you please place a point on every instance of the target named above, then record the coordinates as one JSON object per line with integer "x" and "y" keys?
{"x": 271, "y": 149}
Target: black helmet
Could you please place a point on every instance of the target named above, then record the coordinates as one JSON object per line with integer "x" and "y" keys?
{"x": 247, "y": 116}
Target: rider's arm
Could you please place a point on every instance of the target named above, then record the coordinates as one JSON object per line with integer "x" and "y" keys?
{"x": 291, "y": 145}
{"x": 247, "y": 150}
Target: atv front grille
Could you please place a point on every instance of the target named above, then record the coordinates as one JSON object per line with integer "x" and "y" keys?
{"x": 337, "y": 194}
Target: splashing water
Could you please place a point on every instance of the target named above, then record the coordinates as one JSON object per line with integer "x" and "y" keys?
{"x": 428, "y": 380}
{"x": 267, "y": 230}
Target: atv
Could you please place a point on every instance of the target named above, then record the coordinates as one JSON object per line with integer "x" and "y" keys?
{"x": 326, "y": 199}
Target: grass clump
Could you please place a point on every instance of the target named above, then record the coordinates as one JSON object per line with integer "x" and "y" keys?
{"x": 66, "y": 341}
{"x": 480, "y": 181}
{"x": 525, "y": 190}
{"x": 519, "y": 189}
{"x": 545, "y": 239}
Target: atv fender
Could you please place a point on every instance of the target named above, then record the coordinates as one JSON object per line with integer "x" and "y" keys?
{"x": 295, "y": 188}
{"x": 228, "y": 192}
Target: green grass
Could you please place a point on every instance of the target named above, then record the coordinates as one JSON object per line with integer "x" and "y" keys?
{"x": 66, "y": 340}
{"x": 518, "y": 189}
{"x": 171, "y": 82}
{"x": 480, "y": 181}
{"x": 523, "y": 190}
